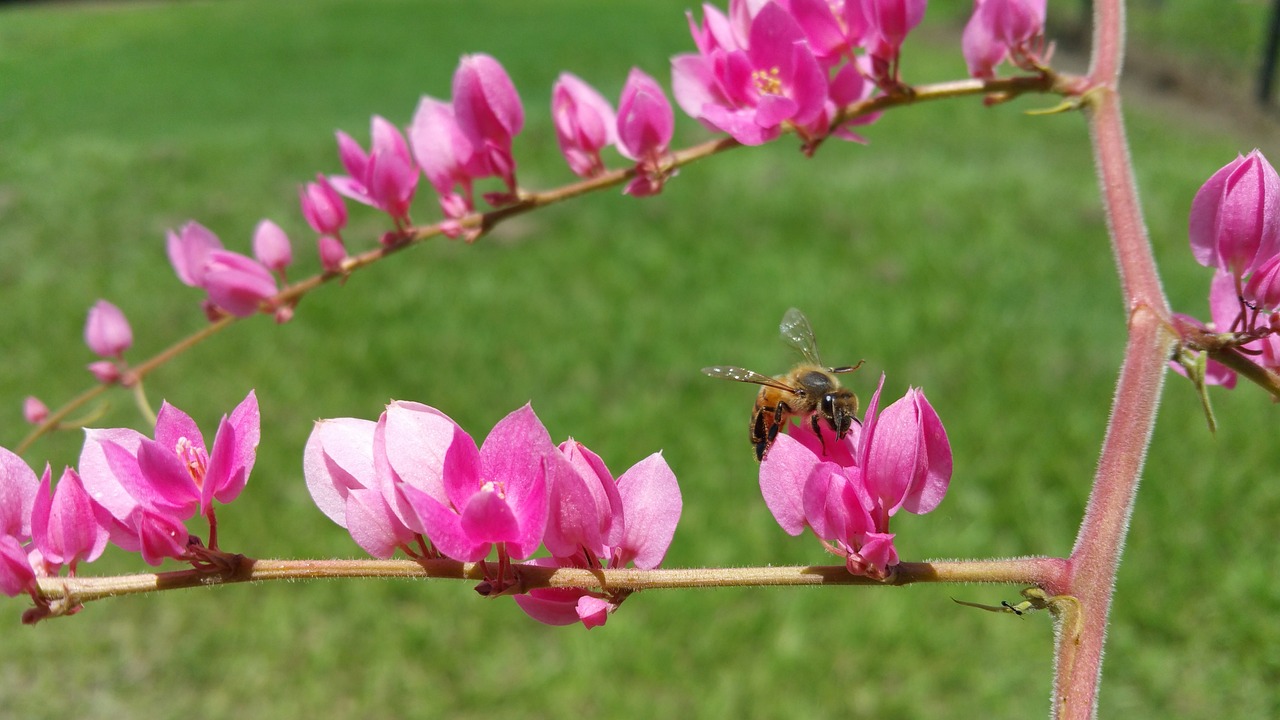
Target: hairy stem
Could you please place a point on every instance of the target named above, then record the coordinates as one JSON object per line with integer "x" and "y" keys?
{"x": 1023, "y": 571}
{"x": 1096, "y": 555}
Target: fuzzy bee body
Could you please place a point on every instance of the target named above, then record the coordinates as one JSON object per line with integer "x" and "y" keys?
{"x": 809, "y": 391}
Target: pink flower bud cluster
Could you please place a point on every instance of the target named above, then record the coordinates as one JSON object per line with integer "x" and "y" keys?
{"x": 846, "y": 490}
{"x": 133, "y": 491}
{"x": 1001, "y": 30}
{"x": 791, "y": 63}
{"x": 415, "y": 476}
{"x": 1234, "y": 227}
{"x": 235, "y": 284}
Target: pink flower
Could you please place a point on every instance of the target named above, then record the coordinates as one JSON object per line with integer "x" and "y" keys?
{"x": 749, "y": 93}
{"x": 1235, "y": 216}
{"x": 271, "y": 246}
{"x": 846, "y": 490}
{"x": 446, "y": 157}
{"x": 1000, "y": 29}
{"x": 238, "y": 284}
{"x": 385, "y": 177}
{"x": 585, "y": 123}
{"x": 489, "y": 113}
{"x": 152, "y": 486}
{"x": 189, "y": 250}
{"x": 595, "y": 522}
{"x": 34, "y": 411}
{"x": 322, "y": 206}
{"x": 107, "y": 332}
{"x": 645, "y": 126}
{"x": 476, "y": 499}
{"x": 67, "y": 525}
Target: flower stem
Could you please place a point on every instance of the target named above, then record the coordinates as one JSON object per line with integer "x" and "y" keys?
{"x": 1021, "y": 571}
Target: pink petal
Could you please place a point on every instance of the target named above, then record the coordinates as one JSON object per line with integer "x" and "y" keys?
{"x": 574, "y": 518}
{"x": 338, "y": 458}
{"x": 18, "y": 487}
{"x": 16, "y": 575}
{"x": 246, "y": 420}
{"x": 175, "y": 428}
{"x": 372, "y": 523}
{"x": 425, "y": 447}
{"x": 488, "y": 518}
{"x": 485, "y": 101}
{"x": 551, "y": 606}
{"x": 652, "y": 504}
{"x": 237, "y": 283}
{"x": 271, "y": 246}
{"x": 160, "y": 536}
{"x": 515, "y": 454}
{"x": 352, "y": 156}
{"x": 783, "y": 475}
{"x": 65, "y": 525}
{"x": 593, "y": 611}
{"x": 645, "y": 119}
{"x": 930, "y": 487}
{"x": 878, "y": 553}
{"x": 896, "y": 454}
{"x": 444, "y": 527}
{"x": 189, "y": 250}
{"x": 224, "y": 479}
{"x": 164, "y": 483}
{"x": 1202, "y": 223}
{"x": 99, "y": 471}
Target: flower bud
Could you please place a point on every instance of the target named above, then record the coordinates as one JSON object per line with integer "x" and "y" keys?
{"x": 1235, "y": 216}
{"x": 34, "y": 410}
{"x": 107, "y": 332}
{"x": 322, "y": 206}
{"x": 585, "y": 123}
{"x": 271, "y": 246}
{"x": 332, "y": 252}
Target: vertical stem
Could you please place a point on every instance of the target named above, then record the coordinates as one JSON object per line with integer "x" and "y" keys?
{"x": 1096, "y": 556}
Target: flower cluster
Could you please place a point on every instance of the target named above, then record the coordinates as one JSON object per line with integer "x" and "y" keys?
{"x": 415, "y": 476}
{"x": 1234, "y": 228}
{"x": 846, "y": 490}
{"x": 791, "y": 63}
{"x": 134, "y": 491}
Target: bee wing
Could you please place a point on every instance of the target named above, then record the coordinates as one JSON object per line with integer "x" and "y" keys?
{"x": 797, "y": 333}
{"x": 729, "y": 372}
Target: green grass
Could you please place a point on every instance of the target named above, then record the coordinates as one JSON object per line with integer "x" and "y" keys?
{"x": 963, "y": 250}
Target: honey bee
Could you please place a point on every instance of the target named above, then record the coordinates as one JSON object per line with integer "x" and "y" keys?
{"x": 809, "y": 391}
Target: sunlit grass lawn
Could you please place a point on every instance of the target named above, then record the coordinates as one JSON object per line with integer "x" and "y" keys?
{"x": 963, "y": 250}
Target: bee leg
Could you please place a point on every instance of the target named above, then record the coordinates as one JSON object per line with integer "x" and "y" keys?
{"x": 817, "y": 430}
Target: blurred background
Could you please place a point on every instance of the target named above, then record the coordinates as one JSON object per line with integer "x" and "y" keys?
{"x": 962, "y": 250}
